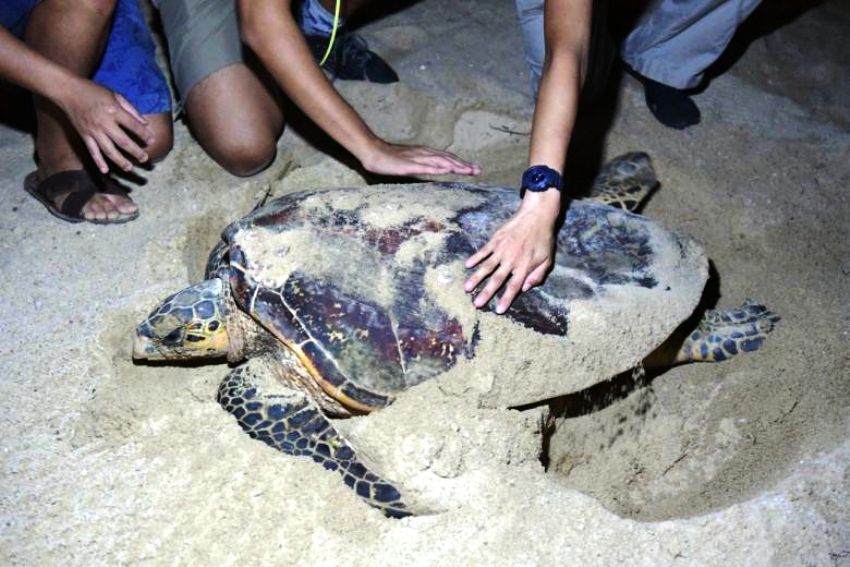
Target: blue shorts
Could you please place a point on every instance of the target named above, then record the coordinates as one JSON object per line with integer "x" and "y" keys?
{"x": 129, "y": 63}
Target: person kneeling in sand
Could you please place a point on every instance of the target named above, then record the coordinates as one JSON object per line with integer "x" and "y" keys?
{"x": 66, "y": 43}
{"x": 566, "y": 57}
{"x": 232, "y": 107}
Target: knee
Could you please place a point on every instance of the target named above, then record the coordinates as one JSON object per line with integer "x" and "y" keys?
{"x": 103, "y": 8}
{"x": 160, "y": 148}
{"x": 244, "y": 158}
{"x": 163, "y": 139}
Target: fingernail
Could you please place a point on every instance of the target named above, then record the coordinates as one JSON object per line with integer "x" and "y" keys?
{"x": 500, "y": 309}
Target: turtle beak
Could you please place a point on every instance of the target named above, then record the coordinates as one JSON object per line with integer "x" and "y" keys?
{"x": 143, "y": 347}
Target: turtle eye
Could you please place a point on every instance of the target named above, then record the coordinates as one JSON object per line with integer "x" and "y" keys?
{"x": 174, "y": 337}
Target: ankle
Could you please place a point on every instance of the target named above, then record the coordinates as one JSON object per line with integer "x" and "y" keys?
{"x": 48, "y": 167}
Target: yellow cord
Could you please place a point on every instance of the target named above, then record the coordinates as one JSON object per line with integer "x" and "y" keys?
{"x": 333, "y": 33}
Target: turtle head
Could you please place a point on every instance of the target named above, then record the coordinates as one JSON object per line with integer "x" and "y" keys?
{"x": 192, "y": 323}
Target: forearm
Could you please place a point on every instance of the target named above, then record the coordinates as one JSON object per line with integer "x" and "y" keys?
{"x": 567, "y": 29}
{"x": 25, "y": 67}
{"x": 270, "y": 30}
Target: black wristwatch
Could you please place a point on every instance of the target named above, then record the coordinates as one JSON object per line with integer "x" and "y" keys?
{"x": 540, "y": 178}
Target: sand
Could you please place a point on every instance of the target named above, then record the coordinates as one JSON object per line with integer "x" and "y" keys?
{"x": 743, "y": 462}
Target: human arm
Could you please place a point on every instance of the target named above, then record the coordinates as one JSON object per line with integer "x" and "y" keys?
{"x": 99, "y": 115}
{"x": 270, "y": 30}
{"x": 521, "y": 252}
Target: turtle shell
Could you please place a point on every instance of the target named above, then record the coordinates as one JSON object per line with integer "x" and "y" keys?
{"x": 365, "y": 285}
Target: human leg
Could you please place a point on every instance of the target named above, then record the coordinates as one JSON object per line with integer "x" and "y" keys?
{"x": 530, "y": 17}
{"x": 73, "y": 34}
{"x": 601, "y": 51}
{"x": 350, "y": 57}
{"x": 671, "y": 47}
{"x": 236, "y": 119}
{"x": 162, "y": 125}
{"x": 232, "y": 112}
{"x": 109, "y": 40}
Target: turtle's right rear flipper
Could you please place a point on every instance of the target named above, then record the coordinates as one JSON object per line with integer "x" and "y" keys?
{"x": 291, "y": 422}
{"x": 723, "y": 334}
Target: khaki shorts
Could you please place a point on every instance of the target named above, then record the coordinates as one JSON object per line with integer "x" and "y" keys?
{"x": 203, "y": 37}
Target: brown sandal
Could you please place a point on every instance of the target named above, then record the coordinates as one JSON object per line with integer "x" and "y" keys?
{"x": 80, "y": 187}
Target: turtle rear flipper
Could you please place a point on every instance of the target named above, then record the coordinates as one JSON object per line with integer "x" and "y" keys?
{"x": 291, "y": 422}
{"x": 625, "y": 181}
{"x": 723, "y": 334}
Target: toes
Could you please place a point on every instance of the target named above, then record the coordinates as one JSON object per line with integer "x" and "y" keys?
{"x": 103, "y": 208}
{"x": 123, "y": 205}
{"x": 95, "y": 209}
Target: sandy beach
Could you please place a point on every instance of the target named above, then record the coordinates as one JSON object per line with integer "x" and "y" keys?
{"x": 744, "y": 462}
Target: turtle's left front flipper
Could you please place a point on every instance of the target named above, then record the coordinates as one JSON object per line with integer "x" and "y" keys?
{"x": 625, "y": 181}
{"x": 291, "y": 422}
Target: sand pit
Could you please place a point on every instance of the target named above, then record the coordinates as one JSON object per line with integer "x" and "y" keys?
{"x": 109, "y": 462}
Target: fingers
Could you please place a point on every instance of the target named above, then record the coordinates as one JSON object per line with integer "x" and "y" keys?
{"x": 94, "y": 150}
{"x": 536, "y": 277}
{"x": 457, "y": 165}
{"x": 130, "y": 109}
{"x": 493, "y": 284}
{"x": 501, "y": 268}
{"x": 395, "y": 159}
{"x": 481, "y": 273}
{"x": 425, "y": 167}
{"x": 141, "y": 131}
{"x": 473, "y": 260}
{"x": 448, "y": 161}
{"x": 511, "y": 290}
{"x": 519, "y": 279}
{"x": 124, "y": 142}
{"x": 112, "y": 153}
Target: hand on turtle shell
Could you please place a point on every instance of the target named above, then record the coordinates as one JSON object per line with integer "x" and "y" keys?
{"x": 103, "y": 120}
{"x": 519, "y": 253}
{"x": 396, "y": 159}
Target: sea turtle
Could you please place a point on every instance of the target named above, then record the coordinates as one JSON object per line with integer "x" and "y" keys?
{"x": 333, "y": 302}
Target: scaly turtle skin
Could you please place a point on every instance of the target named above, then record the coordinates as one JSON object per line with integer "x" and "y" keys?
{"x": 330, "y": 298}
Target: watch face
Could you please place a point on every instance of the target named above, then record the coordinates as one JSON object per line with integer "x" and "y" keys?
{"x": 540, "y": 178}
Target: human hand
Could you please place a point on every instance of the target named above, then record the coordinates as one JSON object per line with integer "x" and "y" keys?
{"x": 396, "y": 159}
{"x": 103, "y": 119}
{"x": 520, "y": 252}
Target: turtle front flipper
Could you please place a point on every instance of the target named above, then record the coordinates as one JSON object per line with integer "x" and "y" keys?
{"x": 218, "y": 260}
{"x": 291, "y": 422}
{"x": 625, "y": 181}
{"x": 724, "y": 334}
